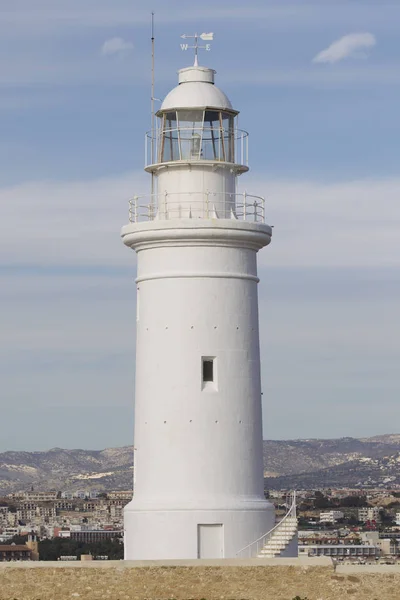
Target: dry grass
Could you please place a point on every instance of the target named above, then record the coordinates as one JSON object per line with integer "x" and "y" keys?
{"x": 210, "y": 583}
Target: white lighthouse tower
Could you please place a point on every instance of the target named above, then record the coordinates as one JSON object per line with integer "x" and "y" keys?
{"x": 198, "y": 484}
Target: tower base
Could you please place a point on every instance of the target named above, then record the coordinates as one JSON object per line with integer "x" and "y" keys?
{"x": 191, "y": 534}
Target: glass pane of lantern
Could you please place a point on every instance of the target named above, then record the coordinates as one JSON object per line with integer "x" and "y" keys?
{"x": 170, "y": 141}
{"x": 190, "y": 125}
{"x": 228, "y": 136}
{"x": 212, "y": 147}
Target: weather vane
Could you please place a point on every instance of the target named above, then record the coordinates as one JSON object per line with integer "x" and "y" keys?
{"x": 205, "y": 37}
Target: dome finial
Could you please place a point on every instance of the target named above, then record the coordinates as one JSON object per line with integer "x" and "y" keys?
{"x": 206, "y": 37}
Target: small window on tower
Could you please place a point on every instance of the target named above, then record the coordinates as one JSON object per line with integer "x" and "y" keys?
{"x": 209, "y": 374}
{"x": 208, "y": 370}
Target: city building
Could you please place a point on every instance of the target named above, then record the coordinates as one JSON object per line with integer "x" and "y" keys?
{"x": 67, "y": 495}
{"x": 63, "y": 505}
{"x": 3, "y": 516}
{"x": 33, "y": 496}
{"x": 388, "y": 546}
{"x": 81, "y": 494}
{"x": 369, "y": 514}
{"x": 9, "y": 532}
{"x": 97, "y": 535}
{"x": 331, "y": 516}
{"x": 116, "y": 512}
{"x": 14, "y": 552}
{"x": 121, "y": 495}
{"x": 196, "y": 239}
{"x": 339, "y": 550}
{"x": 397, "y": 519}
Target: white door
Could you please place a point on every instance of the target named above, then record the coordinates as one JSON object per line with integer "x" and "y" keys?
{"x": 210, "y": 541}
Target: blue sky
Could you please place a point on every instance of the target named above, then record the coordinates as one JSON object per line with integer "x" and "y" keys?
{"x": 324, "y": 148}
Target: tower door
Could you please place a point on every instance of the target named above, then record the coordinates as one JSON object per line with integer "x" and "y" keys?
{"x": 210, "y": 541}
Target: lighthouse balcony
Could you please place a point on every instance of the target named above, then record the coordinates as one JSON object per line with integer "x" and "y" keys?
{"x": 197, "y": 205}
{"x": 197, "y": 144}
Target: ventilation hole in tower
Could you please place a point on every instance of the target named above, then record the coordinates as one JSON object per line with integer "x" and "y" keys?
{"x": 215, "y": 327}
{"x": 190, "y": 421}
{"x": 216, "y": 421}
{"x": 192, "y": 327}
{"x": 237, "y": 327}
{"x": 165, "y": 422}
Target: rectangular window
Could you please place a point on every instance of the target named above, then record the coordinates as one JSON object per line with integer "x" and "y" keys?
{"x": 208, "y": 369}
{"x": 209, "y": 373}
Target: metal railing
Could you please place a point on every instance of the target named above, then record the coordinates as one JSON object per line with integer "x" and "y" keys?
{"x": 197, "y": 205}
{"x": 252, "y": 550}
{"x": 196, "y": 144}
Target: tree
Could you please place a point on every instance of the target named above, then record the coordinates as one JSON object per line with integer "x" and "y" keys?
{"x": 385, "y": 518}
{"x": 17, "y": 539}
{"x": 321, "y": 501}
{"x": 56, "y": 547}
{"x": 353, "y": 501}
{"x": 352, "y": 520}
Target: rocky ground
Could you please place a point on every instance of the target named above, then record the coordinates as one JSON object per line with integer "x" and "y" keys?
{"x": 210, "y": 583}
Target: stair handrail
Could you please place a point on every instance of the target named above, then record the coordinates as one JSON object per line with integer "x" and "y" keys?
{"x": 290, "y": 513}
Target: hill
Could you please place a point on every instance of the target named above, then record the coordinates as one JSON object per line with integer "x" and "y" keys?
{"x": 298, "y": 464}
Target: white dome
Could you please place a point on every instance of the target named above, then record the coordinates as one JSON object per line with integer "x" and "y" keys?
{"x": 196, "y": 89}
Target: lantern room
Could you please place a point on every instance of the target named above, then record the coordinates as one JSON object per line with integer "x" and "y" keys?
{"x": 197, "y": 134}
{"x": 196, "y": 152}
{"x": 196, "y": 122}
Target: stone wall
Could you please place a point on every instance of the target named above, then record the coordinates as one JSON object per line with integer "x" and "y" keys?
{"x": 122, "y": 581}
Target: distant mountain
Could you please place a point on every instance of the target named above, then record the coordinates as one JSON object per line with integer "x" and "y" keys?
{"x": 344, "y": 462}
{"x": 287, "y": 464}
{"x": 383, "y": 471}
{"x": 66, "y": 469}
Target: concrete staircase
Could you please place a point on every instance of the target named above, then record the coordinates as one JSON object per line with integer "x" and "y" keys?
{"x": 280, "y": 542}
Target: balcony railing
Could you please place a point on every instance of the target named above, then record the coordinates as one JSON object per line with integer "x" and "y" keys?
{"x": 197, "y": 205}
{"x": 197, "y": 144}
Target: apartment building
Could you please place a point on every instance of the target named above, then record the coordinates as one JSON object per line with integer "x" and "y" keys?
{"x": 116, "y": 512}
{"x": 13, "y": 552}
{"x": 40, "y": 496}
{"x": 370, "y": 513}
{"x": 339, "y": 550}
{"x": 67, "y": 495}
{"x": 95, "y": 535}
{"x": 121, "y": 495}
{"x": 3, "y": 515}
{"x": 63, "y": 505}
{"x": 331, "y": 516}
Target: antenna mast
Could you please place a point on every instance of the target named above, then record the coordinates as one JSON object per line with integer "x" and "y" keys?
{"x": 153, "y": 116}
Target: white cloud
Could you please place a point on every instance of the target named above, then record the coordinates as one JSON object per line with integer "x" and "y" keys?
{"x": 117, "y": 46}
{"x": 78, "y": 223}
{"x": 346, "y": 76}
{"x": 352, "y": 45}
{"x": 67, "y": 220}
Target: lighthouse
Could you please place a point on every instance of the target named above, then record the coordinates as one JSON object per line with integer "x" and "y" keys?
{"x": 198, "y": 454}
